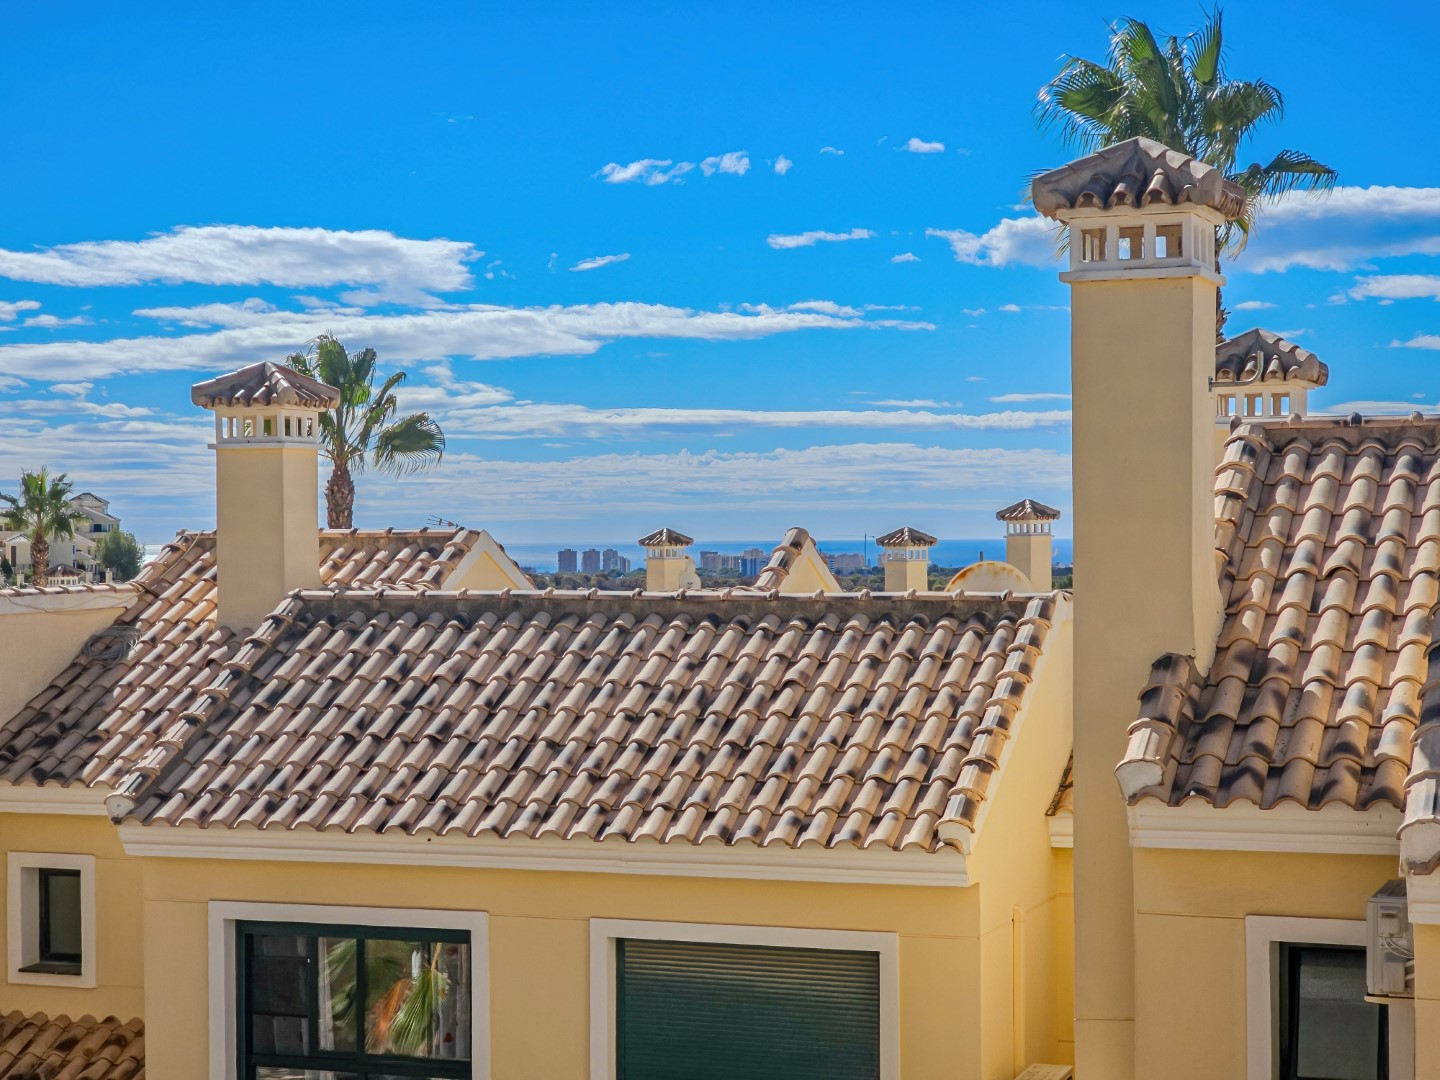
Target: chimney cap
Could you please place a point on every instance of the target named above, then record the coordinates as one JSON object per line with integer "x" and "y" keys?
{"x": 1136, "y": 173}
{"x": 905, "y": 536}
{"x": 1263, "y": 356}
{"x": 262, "y": 384}
{"x": 1028, "y": 510}
{"x": 661, "y": 538}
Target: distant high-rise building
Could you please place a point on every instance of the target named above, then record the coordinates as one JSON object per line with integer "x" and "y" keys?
{"x": 568, "y": 561}
{"x": 612, "y": 562}
{"x": 590, "y": 561}
{"x": 850, "y": 562}
{"x": 752, "y": 560}
{"x": 710, "y": 561}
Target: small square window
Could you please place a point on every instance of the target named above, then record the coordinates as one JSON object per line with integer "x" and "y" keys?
{"x": 1328, "y": 1030}
{"x": 1092, "y": 245}
{"x": 51, "y": 919}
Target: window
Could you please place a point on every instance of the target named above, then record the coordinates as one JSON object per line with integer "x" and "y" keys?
{"x": 336, "y": 1002}
{"x": 51, "y": 919}
{"x": 741, "y": 1003}
{"x": 1328, "y": 1030}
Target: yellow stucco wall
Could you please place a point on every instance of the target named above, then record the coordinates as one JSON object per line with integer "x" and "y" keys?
{"x": 1190, "y": 944}
{"x": 1143, "y": 352}
{"x": 40, "y": 635}
{"x": 119, "y": 958}
{"x": 1427, "y": 1000}
{"x": 539, "y": 948}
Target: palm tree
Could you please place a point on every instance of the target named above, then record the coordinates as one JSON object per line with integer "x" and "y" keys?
{"x": 41, "y": 510}
{"x": 364, "y": 426}
{"x": 1178, "y": 94}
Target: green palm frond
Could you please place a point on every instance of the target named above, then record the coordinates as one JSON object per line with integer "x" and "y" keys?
{"x": 42, "y": 509}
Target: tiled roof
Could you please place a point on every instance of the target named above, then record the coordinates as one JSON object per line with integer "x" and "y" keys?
{"x": 265, "y": 383}
{"x": 98, "y": 715}
{"x": 665, "y": 538}
{"x": 1260, "y": 356}
{"x": 1329, "y": 536}
{"x": 1028, "y": 510}
{"x": 783, "y": 559}
{"x": 905, "y": 537}
{"x": 701, "y": 718}
{"x": 36, "y": 1047}
{"x": 1137, "y": 172}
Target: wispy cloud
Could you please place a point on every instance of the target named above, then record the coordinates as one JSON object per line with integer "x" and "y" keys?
{"x": 905, "y": 257}
{"x": 919, "y": 403}
{"x": 1345, "y": 230}
{"x": 398, "y": 268}
{"x": 783, "y": 164}
{"x": 54, "y": 322}
{"x": 1397, "y": 287}
{"x": 482, "y": 332}
{"x": 1027, "y": 241}
{"x": 73, "y": 389}
{"x": 973, "y": 312}
{"x": 736, "y": 162}
{"x": 1015, "y": 399}
{"x": 597, "y": 261}
{"x": 817, "y": 236}
{"x": 832, "y": 150}
{"x": 647, "y": 171}
{"x": 10, "y": 309}
{"x": 1419, "y": 341}
{"x": 1254, "y": 305}
{"x": 920, "y": 146}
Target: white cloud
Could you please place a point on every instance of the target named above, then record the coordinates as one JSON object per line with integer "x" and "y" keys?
{"x": 783, "y": 164}
{"x": 905, "y": 257}
{"x": 9, "y": 309}
{"x": 920, "y": 146}
{"x": 1009, "y": 309}
{"x": 832, "y": 150}
{"x": 1419, "y": 341}
{"x": 53, "y": 322}
{"x": 975, "y": 378}
{"x": 252, "y": 255}
{"x": 647, "y": 171}
{"x": 1345, "y": 230}
{"x": 736, "y": 162}
{"x": 478, "y": 331}
{"x": 8, "y": 383}
{"x": 827, "y": 307}
{"x": 598, "y": 261}
{"x": 446, "y": 393}
{"x": 920, "y": 403}
{"x": 973, "y": 312}
{"x": 1008, "y": 399}
{"x": 808, "y": 239}
{"x": 1028, "y": 241}
{"x": 73, "y": 389}
{"x": 1254, "y": 305}
{"x": 1397, "y": 287}
{"x": 1380, "y": 408}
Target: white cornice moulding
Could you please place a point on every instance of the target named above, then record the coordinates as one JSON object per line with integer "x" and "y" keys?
{"x": 52, "y": 799}
{"x": 1138, "y": 272}
{"x": 1062, "y": 829}
{"x": 1422, "y": 894}
{"x": 1198, "y": 826}
{"x": 118, "y": 598}
{"x": 945, "y": 869}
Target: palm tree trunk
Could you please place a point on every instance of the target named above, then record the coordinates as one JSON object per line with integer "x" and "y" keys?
{"x": 339, "y": 497}
{"x": 40, "y": 561}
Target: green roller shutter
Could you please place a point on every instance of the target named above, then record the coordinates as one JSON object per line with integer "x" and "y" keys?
{"x": 694, "y": 1010}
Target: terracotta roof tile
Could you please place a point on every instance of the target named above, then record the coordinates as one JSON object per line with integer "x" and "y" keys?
{"x": 265, "y": 383}
{"x": 906, "y": 537}
{"x": 665, "y": 538}
{"x": 108, "y": 707}
{"x": 1028, "y": 510}
{"x": 702, "y": 718}
{"x": 1137, "y": 172}
{"x": 37, "y": 1047}
{"x": 1261, "y": 356}
{"x": 1330, "y": 538}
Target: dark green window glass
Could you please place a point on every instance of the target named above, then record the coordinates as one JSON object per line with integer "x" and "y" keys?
{"x": 353, "y": 1003}
{"x": 1328, "y": 1030}
{"x": 702, "y": 1010}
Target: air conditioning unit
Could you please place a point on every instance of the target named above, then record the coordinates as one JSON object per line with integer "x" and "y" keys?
{"x": 1389, "y": 943}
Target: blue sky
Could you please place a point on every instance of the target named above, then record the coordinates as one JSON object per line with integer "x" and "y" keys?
{"x": 725, "y": 270}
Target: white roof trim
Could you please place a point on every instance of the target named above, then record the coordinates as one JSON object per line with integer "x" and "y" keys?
{"x": 1062, "y": 829}
{"x": 849, "y": 865}
{"x": 102, "y": 599}
{"x": 52, "y": 799}
{"x": 1198, "y": 826}
{"x": 485, "y": 544}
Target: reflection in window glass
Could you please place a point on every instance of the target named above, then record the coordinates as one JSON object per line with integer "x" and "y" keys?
{"x": 1331, "y": 1031}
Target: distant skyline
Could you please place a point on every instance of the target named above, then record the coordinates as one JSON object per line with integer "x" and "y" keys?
{"x": 728, "y": 270}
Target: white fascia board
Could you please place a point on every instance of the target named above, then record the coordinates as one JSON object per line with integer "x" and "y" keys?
{"x": 52, "y": 799}
{"x": 945, "y": 869}
{"x": 1422, "y": 893}
{"x": 485, "y": 544}
{"x": 1198, "y": 826}
{"x": 1062, "y": 830}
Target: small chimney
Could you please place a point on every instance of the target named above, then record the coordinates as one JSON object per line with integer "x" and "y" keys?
{"x": 667, "y": 567}
{"x": 267, "y": 440}
{"x": 1028, "y": 541}
{"x": 905, "y": 554}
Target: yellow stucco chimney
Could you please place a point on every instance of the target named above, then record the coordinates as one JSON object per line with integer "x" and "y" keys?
{"x": 1028, "y": 542}
{"x": 267, "y": 426}
{"x": 1142, "y": 223}
{"x": 667, "y": 567}
{"x": 905, "y": 555}
{"x": 1262, "y": 378}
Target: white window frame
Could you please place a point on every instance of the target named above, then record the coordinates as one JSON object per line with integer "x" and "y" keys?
{"x": 224, "y": 914}
{"x": 1264, "y": 934}
{"x": 23, "y": 917}
{"x": 605, "y": 932}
